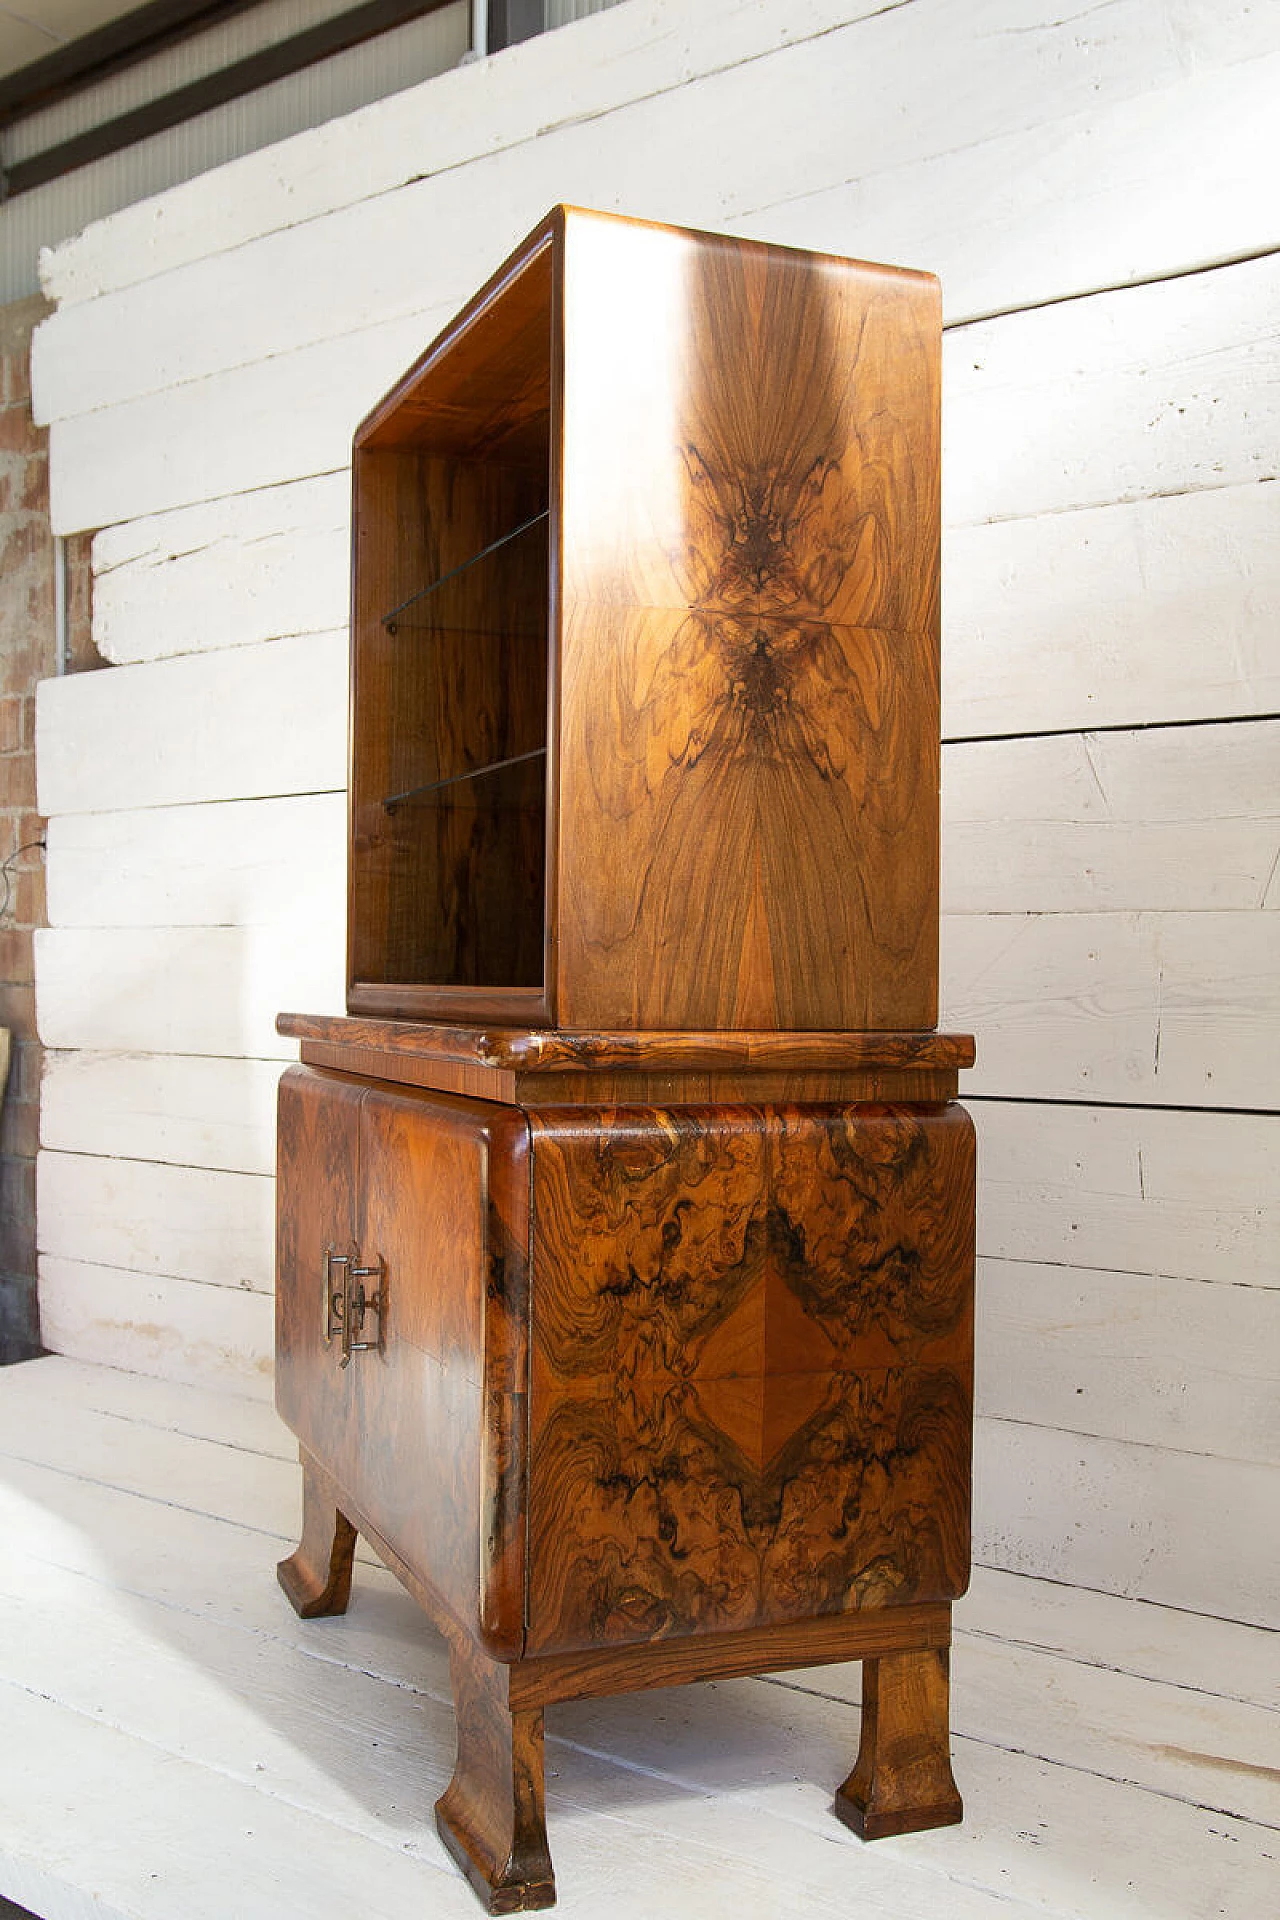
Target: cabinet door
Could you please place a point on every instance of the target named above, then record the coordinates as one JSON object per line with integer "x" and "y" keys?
{"x": 752, "y": 1367}
{"x": 444, "y": 1190}
{"x": 317, "y": 1206}
{"x": 424, "y": 1428}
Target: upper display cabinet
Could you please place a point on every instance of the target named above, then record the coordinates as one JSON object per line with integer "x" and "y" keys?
{"x": 645, "y": 713}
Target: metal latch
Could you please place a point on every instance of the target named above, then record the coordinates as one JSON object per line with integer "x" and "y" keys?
{"x": 347, "y": 1302}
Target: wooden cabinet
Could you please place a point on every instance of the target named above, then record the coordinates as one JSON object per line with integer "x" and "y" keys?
{"x": 626, "y": 1221}
{"x": 645, "y": 646}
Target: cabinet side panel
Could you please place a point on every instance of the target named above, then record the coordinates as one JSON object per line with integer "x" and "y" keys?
{"x": 748, "y": 819}
{"x": 749, "y": 823}
{"x": 751, "y": 1374}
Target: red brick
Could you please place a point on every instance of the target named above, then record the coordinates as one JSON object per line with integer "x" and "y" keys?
{"x": 13, "y": 723}
{"x": 15, "y": 954}
{"x": 21, "y": 829}
{"x": 19, "y": 431}
{"x": 17, "y": 781}
{"x": 35, "y": 484}
{"x": 27, "y": 906}
{"x": 18, "y": 1009}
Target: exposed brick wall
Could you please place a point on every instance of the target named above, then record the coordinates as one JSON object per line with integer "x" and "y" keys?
{"x": 27, "y": 654}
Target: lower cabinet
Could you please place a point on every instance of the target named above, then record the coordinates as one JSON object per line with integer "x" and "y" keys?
{"x": 620, "y": 1374}
{"x": 633, "y": 1395}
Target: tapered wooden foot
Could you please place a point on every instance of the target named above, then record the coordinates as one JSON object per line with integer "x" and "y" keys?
{"x": 317, "y": 1578}
{"x": 491, "y": 1814}
{"x": 902, "y": 1780}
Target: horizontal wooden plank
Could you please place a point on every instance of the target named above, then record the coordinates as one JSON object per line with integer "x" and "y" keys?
{"x": 176, "y": 1330}
{"x": 195, "y": 1410}
{"x": 1161, "y": 388}
{"x": 477, "y": 108}
{"x": 186, "y": 1223}
{"x": 425, "y": 244}
{"x": 729, "y": 1763}
{"x": 1183, "y": 1529}
{"x": 1164, "y": 1737}
{"x": 1176, "y": 1008}
{"x": 241, "y": 863}
{"x": 734, "y": 1762}
{"x": 285, "y": 418}
{"x": 1156, "y": 389}
{"x": 1102, "y": 1630}
{"x": 1071, "y": 205}
{"x": 213, "y": 990}
{"x": 188, "y": 1109}
{"x": 1141, "y": 611}
{"x": 107, "y": 1416}
{"x": 1142, "y": 1357}
{"x": 1134, "y": 1189}
{"x": 131, "y": 1799}
{"x": 245, "y": 722}
{"x": 253, "y": 567}
{"x": 1176, "y": 818}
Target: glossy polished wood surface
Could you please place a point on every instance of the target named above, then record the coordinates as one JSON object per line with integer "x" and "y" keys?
{"x": 440, "y": 1194}
{"x": 749, "y": 645}
{"x": 751, "y": 1367}
{"x": 737, "y": 446}
{"x": 538, "y": 1049}
{"x": 902, "y": 1780}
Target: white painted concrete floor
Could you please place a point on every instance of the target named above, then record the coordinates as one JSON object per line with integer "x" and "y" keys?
{"x": 176, "y": 1745}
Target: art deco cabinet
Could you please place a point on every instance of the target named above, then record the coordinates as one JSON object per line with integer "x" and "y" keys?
{"x": 626, "y": 1222}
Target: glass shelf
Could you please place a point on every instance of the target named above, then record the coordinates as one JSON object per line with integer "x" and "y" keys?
{"x": 395, "y": 800}
{"x": 483, "y": 594}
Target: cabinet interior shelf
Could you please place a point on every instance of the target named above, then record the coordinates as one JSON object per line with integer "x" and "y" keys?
{"x": 395, "y": 800}
{"x": 425, "y": 611}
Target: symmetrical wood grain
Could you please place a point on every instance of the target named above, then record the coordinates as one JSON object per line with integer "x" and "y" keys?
{"x": 750, "y": 1396}
{"x": 737, "y": 446}
{"x": 748, "y": 665}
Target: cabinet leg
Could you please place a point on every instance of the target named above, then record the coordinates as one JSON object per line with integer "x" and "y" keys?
{"x": 317, "y": 1578}
{"x": 902, "y": 1780}
{"x": 491, "y": 1815}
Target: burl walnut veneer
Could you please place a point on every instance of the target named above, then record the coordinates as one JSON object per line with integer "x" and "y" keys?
{"x": 625, "y": 1259}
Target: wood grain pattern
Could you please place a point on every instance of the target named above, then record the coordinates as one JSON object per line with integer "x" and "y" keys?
{"x": 633, "y": 1085}
{"x": 748, "y": 675}
{"x": 317, "y": 1576}
{"x": 534, "y": 1049}
{"x": 719, "y": 1656}
{"x": 441, "y": 1199}
{"x": 446, "y": 886}
{"x": 784, "y": 408}
{"x": 751, "y": 1385}
{"x": 730, "y": 654}
{"x": 764, "y": 798}
{"x": 491, "y": 1815}
{"x": 902, "y": 1780}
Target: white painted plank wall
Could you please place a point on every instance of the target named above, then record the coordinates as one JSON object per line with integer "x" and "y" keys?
{"x": 1111, "y": 691}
